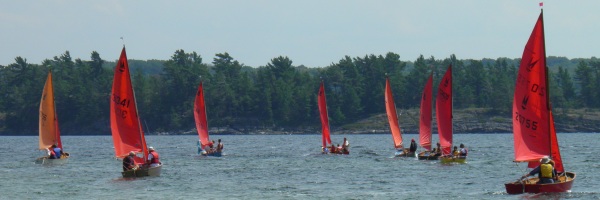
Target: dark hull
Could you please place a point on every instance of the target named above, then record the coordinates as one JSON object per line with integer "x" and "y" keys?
{"x": 426, "y": 155}
{"x": 530, "y": 186}
{"x": 406, "y": 153}
{"x": 215, "y": 154}
{"x": 144, "y": 171}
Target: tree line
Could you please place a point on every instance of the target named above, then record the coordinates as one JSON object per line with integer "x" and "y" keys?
{"x": 276, "y": 95}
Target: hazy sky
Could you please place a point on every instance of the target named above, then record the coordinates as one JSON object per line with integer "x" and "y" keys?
{"x": 314, "y": 33}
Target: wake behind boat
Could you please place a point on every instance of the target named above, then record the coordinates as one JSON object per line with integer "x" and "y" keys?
{"x": 49, "y": 133}
{"x": 128, "y": 136}
{"x": 534, "y": 133}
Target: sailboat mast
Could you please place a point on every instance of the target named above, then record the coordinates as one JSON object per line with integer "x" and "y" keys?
{"x": 56, "y": 130}
{"x": 137, "y": 114}
{"x": 548, "y": 107}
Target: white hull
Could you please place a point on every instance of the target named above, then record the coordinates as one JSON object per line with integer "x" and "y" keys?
{"x": 154, "y": 171}
{"x": 47, "y": 161}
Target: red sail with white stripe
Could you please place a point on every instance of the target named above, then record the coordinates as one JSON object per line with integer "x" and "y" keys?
{"x": 443, "y": 111}
{"x": 390, "y": 108}
{"x": 324, "y": 116}
{"x": 425, "y": 119}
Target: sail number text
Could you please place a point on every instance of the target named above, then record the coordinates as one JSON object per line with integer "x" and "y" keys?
{"x": 124, "y": 103}
{"x": 530, "y": 124}
{"x": 532, "y": 87}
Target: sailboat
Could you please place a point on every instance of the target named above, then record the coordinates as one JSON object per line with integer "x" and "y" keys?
{"x": 390, "y": 108}
{"x": 125, "y": 123}
{"x": 443, "y": 115}
{"x": 425, "y": 122}
{"x": 533, "y": 124}
{"x": 202, "y": 124}
{"x": 327, "y": 147}
{"x": 49, "y": 133}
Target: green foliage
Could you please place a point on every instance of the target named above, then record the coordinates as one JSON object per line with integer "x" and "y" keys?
{"x": 278, "y": 94}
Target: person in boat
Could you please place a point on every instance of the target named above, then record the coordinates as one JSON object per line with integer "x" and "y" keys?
{"x": 332, "y": 149}
{"x": 339, "y": 149}
{"x": 413, "y": 146}
{"x": 129, "y": 162}
{"x": 219, "y": 146}
{"x": 455, "y": 152}
{"x": 55, "y": 152}
{"x": 153, "y": 157}
{"x": 438, "y": 150}
{"x": 545, "y": 171}
{"x": 346, "y": 143}
{"x": 463, "y": 151}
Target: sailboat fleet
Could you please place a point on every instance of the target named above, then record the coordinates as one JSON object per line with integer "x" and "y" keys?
{"x": 535, "y": 140}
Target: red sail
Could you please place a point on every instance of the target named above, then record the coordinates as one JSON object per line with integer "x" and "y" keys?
{"x": 558, "y": 164}
{"x": 200, "y": 117}
{"x": 425, "y": 120}
{"x": 443, "y": 111}
{"x": 390, "y": 108}
{"x": 530, "y": 104}
{"x": 324, "y": 116}
{"x": 124, "y": 120}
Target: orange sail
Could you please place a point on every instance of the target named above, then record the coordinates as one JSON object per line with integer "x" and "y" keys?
{"x": 125, "y": 125}
{"x": 531, "y": 121}
{"x": 390, "y": 108}
{"x": 200, "y": 117}
{"x": 49, "y": 133}
{"x": 443, "y": 111}
{"x": 425, "y": 119}
{"x": 324, "y": 117}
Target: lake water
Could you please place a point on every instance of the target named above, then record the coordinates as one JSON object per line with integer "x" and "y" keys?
{"x": 287, "y": 167}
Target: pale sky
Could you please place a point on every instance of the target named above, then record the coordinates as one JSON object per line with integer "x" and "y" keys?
{"x": 314, "y": 33}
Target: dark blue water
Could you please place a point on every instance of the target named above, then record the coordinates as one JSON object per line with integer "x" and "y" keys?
{"x": 287, "y": 167}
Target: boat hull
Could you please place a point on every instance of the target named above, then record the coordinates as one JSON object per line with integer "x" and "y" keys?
{"x": 426, "y": 155}
{"x": 529, "y": 186}
{"x": 47, "y": 161}
{"x": 405, "y": 154}
{"x": 453, "y": 160}
{"x": 152, "y": 171}
{"x": 215, "y": 154}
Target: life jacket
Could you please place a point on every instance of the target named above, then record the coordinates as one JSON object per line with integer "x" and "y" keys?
{"x": 52, "y": 154}
{"x": 546, "y": 170}
{"x": 463, "y": 152}
{"x": 56, "y": 152}
{"x": 155, "y": 157}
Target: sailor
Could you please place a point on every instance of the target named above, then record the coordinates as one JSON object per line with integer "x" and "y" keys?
{"x": 545, "y": 171}
{"x": 128, "y": 162}
{"x": 55, "y": 152}
{"x": 153, "y": 158}
{"x": 413, "y": 145}
{"x": 219, "y": 146}
{"x": 346, "y": 143}
{"x": 463, "y": 151}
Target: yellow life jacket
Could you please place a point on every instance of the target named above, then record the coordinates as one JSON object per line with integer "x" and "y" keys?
{"x": 546, "y": 170}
